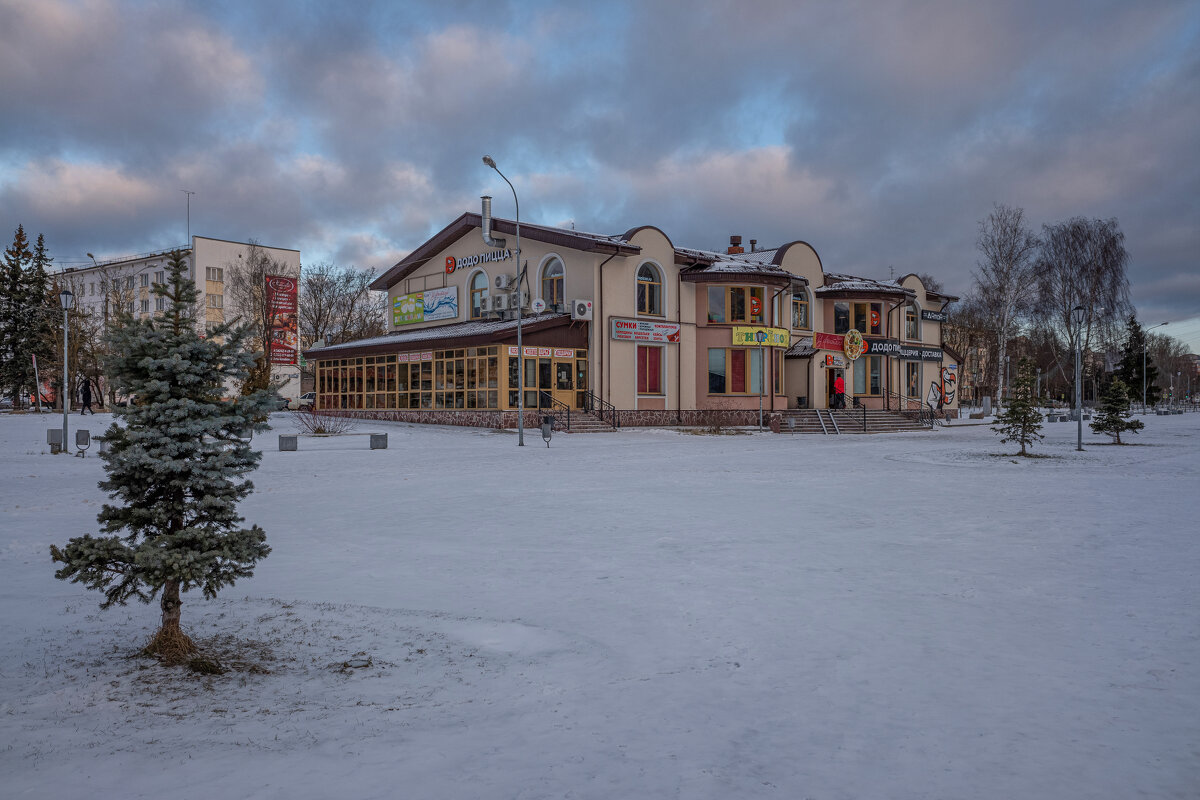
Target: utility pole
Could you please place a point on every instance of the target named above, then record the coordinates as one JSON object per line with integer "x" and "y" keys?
{"x": 189, "y": 215}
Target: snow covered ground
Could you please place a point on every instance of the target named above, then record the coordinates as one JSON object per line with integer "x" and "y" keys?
{"x": 638, "y": 615}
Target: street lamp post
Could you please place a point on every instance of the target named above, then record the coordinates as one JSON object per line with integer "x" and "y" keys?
{"x": 520, "y": 350}
{"x": 1038, "y": 395}
{"x": 1077, "y": 314}
{"x": 67, "y": 299}
{"x": 1145, "y": 342}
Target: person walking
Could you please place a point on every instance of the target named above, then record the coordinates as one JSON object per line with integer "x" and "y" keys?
{"x": 839, "y": 392}
{"x": 86, "y": 398}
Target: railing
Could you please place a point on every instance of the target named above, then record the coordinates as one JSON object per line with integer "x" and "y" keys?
{"x": 607, "y": 412}
{"x": 913, "y": 408}
{"x": 559, "y": 410}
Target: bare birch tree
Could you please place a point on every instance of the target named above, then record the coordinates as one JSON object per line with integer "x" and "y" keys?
{"x": 1006, "y": 275}
{"x": 337, "y": 305}
{"x": 1082, "y": 263}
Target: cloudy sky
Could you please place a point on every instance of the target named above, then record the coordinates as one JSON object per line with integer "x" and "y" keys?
{"x": 880, "y": 132}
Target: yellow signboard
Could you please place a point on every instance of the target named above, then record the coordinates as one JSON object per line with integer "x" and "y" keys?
{"x": 762, "y": 337}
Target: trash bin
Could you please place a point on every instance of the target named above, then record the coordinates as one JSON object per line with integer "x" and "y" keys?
{"x": 802, "y": 401}
{"x": 547, "y": 428}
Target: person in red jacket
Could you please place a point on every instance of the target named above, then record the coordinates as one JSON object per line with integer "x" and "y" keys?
{"x": 839, "y": 392}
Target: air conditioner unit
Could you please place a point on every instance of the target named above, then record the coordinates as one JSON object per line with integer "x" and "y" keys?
{"x": 494, "y": 303}
{"x": 504, "y": 282}
{"x": 581, "y": 309}
{"x": 516, "y": 300}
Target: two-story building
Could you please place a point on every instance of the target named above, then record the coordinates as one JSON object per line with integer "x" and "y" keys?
{"x": 665, "y": 334}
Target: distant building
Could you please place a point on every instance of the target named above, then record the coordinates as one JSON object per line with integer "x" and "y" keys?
{"x": 124, "y": 284}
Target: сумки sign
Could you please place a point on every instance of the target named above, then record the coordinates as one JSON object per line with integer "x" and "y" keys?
{"x": 644, "y": 330}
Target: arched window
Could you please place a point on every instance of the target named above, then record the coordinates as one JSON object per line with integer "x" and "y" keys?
{"x": 649, "y": 290}
{"x": 912, "y": 321}
{"x": 552, "y": 283}
{"x": 800, "y": 313}
{"x": 479, "y": 293}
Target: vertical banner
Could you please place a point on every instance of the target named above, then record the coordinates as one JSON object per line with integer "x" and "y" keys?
{"x": 285, "y": 328}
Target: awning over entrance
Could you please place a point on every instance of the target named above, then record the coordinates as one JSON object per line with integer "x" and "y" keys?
{"x": 538, "y": 329}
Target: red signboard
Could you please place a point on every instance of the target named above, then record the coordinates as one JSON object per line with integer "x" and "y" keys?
{"x": 285, "y": 329}
{"x": 829, "y": 341}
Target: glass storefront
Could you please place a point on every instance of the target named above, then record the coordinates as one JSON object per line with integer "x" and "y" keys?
{"x": 465, "y": 378}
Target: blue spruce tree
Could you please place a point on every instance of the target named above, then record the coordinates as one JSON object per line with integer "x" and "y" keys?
{"x": 174, "y": 467}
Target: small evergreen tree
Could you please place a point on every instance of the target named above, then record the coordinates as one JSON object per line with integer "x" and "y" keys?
{"x": 1113, "y": 417}
{"x": 1021, "y": 421}
{"x": 1129, "y": 368}
{"x": 173, "y": 467}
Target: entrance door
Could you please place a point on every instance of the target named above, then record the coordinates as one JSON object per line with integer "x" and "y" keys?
{"x": 545, "y": 382}
{"x": 564, "y": 384}
{"x": 831, "y": 376}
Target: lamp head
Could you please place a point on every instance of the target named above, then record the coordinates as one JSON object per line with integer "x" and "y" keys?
{"x": 66, "y": 298}
{"x": 488, "y": 160}
{"x": 1077, "y": 314}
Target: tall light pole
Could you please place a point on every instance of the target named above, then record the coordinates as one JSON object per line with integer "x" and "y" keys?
{"x": 189, "y": 215}
{"x": 520, "y": 350}
{"x": 67, "y": 299}
{"x": 1077, "y": 315}
{"x": 1145, "y": 342}
{"x": 1039, "y": 386}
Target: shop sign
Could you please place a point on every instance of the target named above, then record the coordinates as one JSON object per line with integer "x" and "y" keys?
{"x": 281, "y": 306}
{"x": 430, "y": 305}
{"x": 563, "y": 352}
{"x": 935, "y": 316}
{"x": 828, "y": 341}
{"x": 762, "y": 337}
{"x": 834, "y": 361}
{"x": 854, "y": 344}
{"x": 897, "y": 349}
{"x": 535, "y": 352}
{"x": 453, "y": 263}
{"x": 414, "y": 358}
{"x": 644, "y": 330}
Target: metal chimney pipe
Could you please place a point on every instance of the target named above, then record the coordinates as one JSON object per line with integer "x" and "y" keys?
{"x": 487, "y": 225}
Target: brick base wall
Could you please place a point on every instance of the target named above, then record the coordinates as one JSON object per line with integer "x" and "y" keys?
{"x": 741, "y": 417}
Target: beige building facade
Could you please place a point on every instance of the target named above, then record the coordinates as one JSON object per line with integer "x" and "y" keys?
{"x": 635, "y": 324}
{"x": 125, "y": 284}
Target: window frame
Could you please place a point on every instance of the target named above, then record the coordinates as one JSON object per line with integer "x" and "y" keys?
{"x": 558, "y": 282}
{"x": 801, "y": 299}
{"x": 749, "y": 292}
{"x": 749, "y": 368}
{"x": 871, "y": 373}
{"x": 657, "y": 282}
{"x": 915, "y": 309}
{"x": 475, "y": 310}
{"x": 650, "y": 384}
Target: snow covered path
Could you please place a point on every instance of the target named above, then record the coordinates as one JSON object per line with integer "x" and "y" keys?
{"x": 644, "y": 614}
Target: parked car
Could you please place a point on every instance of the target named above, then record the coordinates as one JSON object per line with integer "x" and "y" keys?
{"x": 304, "y": 401}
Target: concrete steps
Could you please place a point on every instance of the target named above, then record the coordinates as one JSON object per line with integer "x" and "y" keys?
{"x": 848, "y": 421}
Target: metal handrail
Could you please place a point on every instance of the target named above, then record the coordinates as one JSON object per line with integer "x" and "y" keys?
{"x": 595, "y": 405}
{"x": 554, "y": 404}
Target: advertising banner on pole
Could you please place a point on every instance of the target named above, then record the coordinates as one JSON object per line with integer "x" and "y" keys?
{"x": 285, "y": 328}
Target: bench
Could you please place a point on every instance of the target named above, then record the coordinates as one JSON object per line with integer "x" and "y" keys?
{"x": 291, "y": 441}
